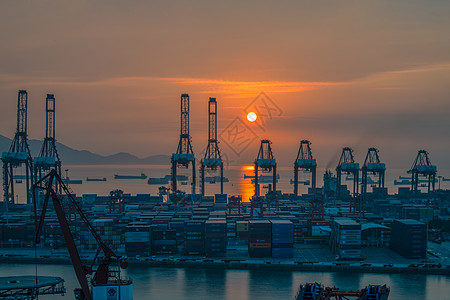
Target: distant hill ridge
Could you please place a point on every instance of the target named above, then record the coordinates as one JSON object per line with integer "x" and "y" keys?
{"x": 70, "y": 156}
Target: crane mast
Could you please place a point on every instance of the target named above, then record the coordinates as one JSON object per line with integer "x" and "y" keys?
{"x": 212, "y": 159}
{"x": 306, "y": 162}
{"x": 266, "y": 161}
{"x": 18, "y": 154}
{"x": 48, "y": 156}
{"x": 184, "y": 155}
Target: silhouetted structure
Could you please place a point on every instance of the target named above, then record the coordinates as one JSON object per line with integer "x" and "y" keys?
{"x": 19, "y": 154}
{"x": 347, "y": 165}
{"x": 48, "y": 157}
{"x": 184, "y": 155}
{"x": 267, "y": 163}
{"x": 422, "y": 166}
{"x": 305, "y": 162}
{"x": 372, "y": 165}
{"x": 212, "y": 159}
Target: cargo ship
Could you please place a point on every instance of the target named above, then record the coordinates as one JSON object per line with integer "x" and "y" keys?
{"x": 304, "y": 182}
{"x": 214, "y": 179}
{"x": 72, "y": 181}
{"x": 142, "y": 176}
{"x": 265, "y": 179}
{"x": 166, "y": 179}
{"x": 96, "y": 179}
{"x": 260, "y": 176}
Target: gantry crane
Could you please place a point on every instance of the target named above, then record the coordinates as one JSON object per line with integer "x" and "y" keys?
{"x": 347, "y": 165}
{"x": 422, "y": 166}
{"x": 48, "y": 157}
{"x": 372, "y": 165}
{"x": 267, "y": 163}
{"x": 212, "y": 159}
{"x": 106, "y": 279}
{"x": 184, "y": 155}
{"x": 306, "y": 162}
{"x": 18, "y": 154}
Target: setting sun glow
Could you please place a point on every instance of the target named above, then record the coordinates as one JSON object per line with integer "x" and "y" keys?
{"x": 251, "y": 116}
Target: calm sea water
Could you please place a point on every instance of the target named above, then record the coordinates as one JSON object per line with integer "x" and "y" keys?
{"x": 237, "y": 185}
{"x": 191, "y": 283}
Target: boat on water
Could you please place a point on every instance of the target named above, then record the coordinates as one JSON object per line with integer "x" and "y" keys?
{"x": 316, "y": 291}
{"x": 265, "y": 179}
{"x": 95, "y": 179}
{"x": 72, "y": 181}
{"x": 304, "y": 182}
{"x": 260, "y": 176}
{"x": 142, "y": 176}
{"x": 166, "y": 179}
{"x": 214, "y": 179}
{"x": 157, "y": 180}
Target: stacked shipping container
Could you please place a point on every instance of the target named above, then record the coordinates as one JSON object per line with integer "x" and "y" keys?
{"x": 215, "y": 238}
{"x": 164, "y": 241}
{"x": 282, "y": 239}
{"x": 409, "y": 238}
{"x": 346, "y": 239}
{"x": 137, "y": 239}
{"x": 194, "y": 238}
{"x": 260, "y": 238}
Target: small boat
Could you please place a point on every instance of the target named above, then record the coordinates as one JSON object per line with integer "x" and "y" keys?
{"x": 260, "y": 176}
{"x": 96, "y": 179}
{"x": 72, "y": 181}
{"x": 157, "y": 180}
{"x": 402, "y": 182}
{"x": 142, "y": 176}
{"x": 166, "y": 179}
{"x": 304, "y": 182}
{"x": 214, "y": 179}
{"x": 264, "y": 180}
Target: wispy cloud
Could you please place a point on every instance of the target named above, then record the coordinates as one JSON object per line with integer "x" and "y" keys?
{"x": 205, "y": 85}
{"x": 223, "y": 86}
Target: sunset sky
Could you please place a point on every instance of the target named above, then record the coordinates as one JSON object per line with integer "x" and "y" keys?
{"x": 340, "y": 73}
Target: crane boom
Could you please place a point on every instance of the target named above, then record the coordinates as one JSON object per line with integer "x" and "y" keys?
{"x": 81, "y": 271}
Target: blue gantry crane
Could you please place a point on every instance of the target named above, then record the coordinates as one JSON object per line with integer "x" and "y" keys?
{"x": 48, "y": 156}
{"x": 184, "y": 155}
{"x": 18, "y": 154}
{"x": 212, "y": 160}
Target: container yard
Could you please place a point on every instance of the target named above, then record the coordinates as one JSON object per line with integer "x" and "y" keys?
{"x": 328, "y": 228}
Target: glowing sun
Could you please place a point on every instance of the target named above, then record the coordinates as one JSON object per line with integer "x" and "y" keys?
{"x": 251, "y": 116}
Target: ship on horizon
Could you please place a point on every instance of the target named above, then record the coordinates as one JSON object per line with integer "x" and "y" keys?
{"x": 142, "y": 176}
{"x": 95, "y": 179}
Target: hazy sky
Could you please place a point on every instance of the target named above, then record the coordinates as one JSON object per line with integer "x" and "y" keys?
{"x": 342, "y": 73}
